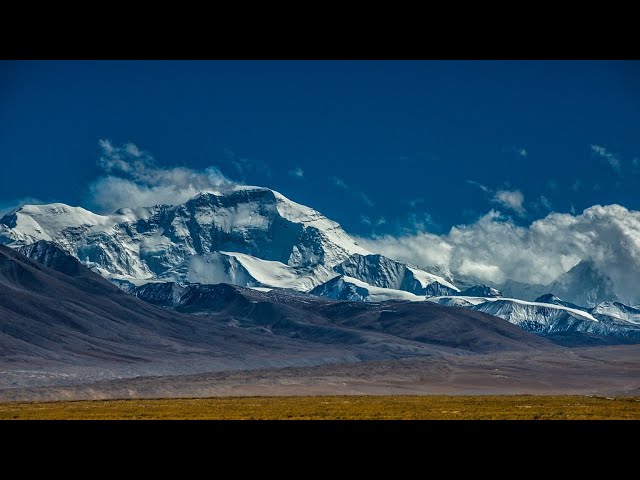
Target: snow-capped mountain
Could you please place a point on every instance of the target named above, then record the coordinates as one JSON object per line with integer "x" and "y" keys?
{"x": 547, "y": 315}
{"x": 616, "y": 311}
{"x": 255, "y": 237}
{"x": 554, "y": 300}
{"x": 248, "y": 271}
{"x": 453, "y": 301}
{"x": 352, "y": 289}
{"x": 534, "y": 316}
{"x": 146, "y": 243}
{"x": 550, "y": 318}
{"x": 584, "y": 285}
{"x": 380, "y": 271}
{"x": 249, "y": 236}
{"x": 605, "y": 311}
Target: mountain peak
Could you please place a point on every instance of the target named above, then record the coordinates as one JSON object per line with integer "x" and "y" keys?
{"x": 548, "y": 298}
{"x": 380, "y": 271}
{"x": 142, "y": 244}
{"x": 584, "y": 284}
{"x": 481, "y": 291}
{"x": 552, "y": 299}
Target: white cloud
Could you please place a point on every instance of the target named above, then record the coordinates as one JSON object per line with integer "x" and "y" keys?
{"x": 577, "y": 185}
{"x": 495, "y": 249}
{"x": 134, "y": 179}
{"x": 522, "y": 152}
{"x": 297, "y": 172}
{"x": 635, "y": 163}
{"x": 381, "y": 221}
{"x": 511, "y": 199}
{"x": 611, "y": 159}
{"x": 365, "y": 219}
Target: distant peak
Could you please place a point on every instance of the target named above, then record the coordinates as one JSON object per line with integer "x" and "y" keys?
{"x": 585, "y": 265}
{"x": 49, "y": 207}
{"x": 481, "y": 291}
{"x": 250, "y": 188}
{"x": 207, "y": 194}
{"x": 237, "y": 192}
{"x": 548, "y": 298}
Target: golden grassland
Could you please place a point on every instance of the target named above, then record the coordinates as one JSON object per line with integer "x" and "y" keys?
{"x": 520, "y": 407}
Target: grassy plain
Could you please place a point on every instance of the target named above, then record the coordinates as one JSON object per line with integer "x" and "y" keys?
{"x": 517, "y": 407}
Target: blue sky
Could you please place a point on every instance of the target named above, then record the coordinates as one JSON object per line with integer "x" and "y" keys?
{"x": 381, "y": 147}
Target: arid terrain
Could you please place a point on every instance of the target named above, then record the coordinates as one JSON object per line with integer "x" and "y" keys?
{"x": 603, "y": 371}
{"x": 68, "y": 334}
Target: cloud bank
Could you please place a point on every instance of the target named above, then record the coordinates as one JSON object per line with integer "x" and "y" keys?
{"x": 135, "y": 180}
{"x": 494, "y": 249}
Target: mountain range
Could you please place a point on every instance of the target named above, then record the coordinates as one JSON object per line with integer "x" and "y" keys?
{"x": 246, "y": 237}
{"x": 256, "y": 238}
{"x": 61, "y": 323}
